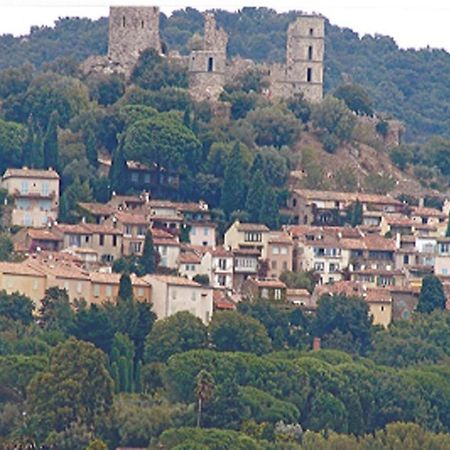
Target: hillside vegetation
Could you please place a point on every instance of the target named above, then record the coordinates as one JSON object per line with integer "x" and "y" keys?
{"x": 412, "y": 85}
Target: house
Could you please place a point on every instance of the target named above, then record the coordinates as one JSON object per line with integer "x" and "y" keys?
{"x": 104, "y": 239}
{"x": 252, "y": 236}
{"x": 278, "y": 253}
{"x": 396, "y": 224}
{"x": 301, "y": 298}
{"x": 404, "y": 302}
{"x": 265, "y": 289}
{"x": 202, "y": 233}
{"x": 429, "y": 216}
{"x": 442, "y": 257}
{"x": 35, "y": 195}
{"x": 165, "y": 215}
{"x": 222, "y": 301}
{"x": 246, "y": 264}
{"x": 105, "y": 287}
{"x": 189, "y": 264}
{"x": 218, "y": 264}
{"x": 133, "y": 227}
{"x": 309, "y": 207}
{"x": 20, "y": 277}
{"x": 168, "y": 248}
{"x": 379, "y": 277}
{"x": 95, "y": 212}
{"x": 36, "y": 239}
{"x": 173, "y": 294}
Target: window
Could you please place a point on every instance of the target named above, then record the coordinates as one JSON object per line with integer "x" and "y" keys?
{"x": 108, "y": 291}
{"x": 35, "y": 285}
{"x": 45, "y": 188}
{"x": 222, "y": 264}
{"x": 275, "y": 250}
{"x": 283, "y": 250}
{"x": 96, "y": 290}
{"x": 45, "y": 205}
{"x": 28, "y": 220}
{"x": 141, "y": 292}
{"x": 382, "y": 308}
{"x": 78, "y": 288}
{"x": 134, "y": 177}
{"x": 405, "y": 259}
{"x": 141, "y": 231}
{"x": 142, "y": 24}
{"x": 123, "y": 21}
{"x": 114, "y": 240}
{"x": 285, "y": 265}
{"x": 193, "y": 231}
{"x": 86, "y": 239}
{"x": 273, "y": 264}
{"x": 147, "y": 178}
{"x": 193, "y": 296}
{"x": 222, "y": 280}
{"x": 318, "y": 266}
{"x": 74, "y": 240}
{"x": 205, "y": 231}
{"x": 444, "y": 271}
{"x": 264, "y": 293}
{"x": 309, "y": 74}
{"x": 23, "y": 203}
{"x": 334, "y": 267}
{"x": 310, "y": 52}
{"x": 252, "y": 236}
{"x": 277, "y": 294}
{"x": 210, "y": 64}
{"x": 101, "y": 240}
{"x": 24, "y": 187}
{"x": 135, "y": 247}
{"x": 174, "y": 294}
{"x": 311, "y": 31}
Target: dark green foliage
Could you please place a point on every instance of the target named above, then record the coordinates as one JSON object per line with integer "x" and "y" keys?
{"x": 149, "y": 258}
{"x": 125, "y": 287}
{"x": 447, "y": 231}
{"x": 118, "y": 173}
{"x": 155, "y": 72}
{"x": 12, "y": 138}
{"x": 55, "y": 312}
{"x": 233, "y": 191}
{"x": 178, "y": 333}
{"x": 356, "y": 216}
{"x": 300, "y": 280}
{"x": 6, "y": 247}
{"x": 299, "y": 107}
{"x": 16, "y": 307}
{"x": 50, "y": 143}
{"x": 256, "y": 196}
{"x": 356, "y": 98}
{"x": 431, "y": 295}
{"x": 234, "y": 332}
{"x": 106, "y": 89}
{"x": 91, "y": 147}
{"x": 202, "y": 279}
{"x": 269, "y": 213}
{"x": 122, "y": 363}
{"x": 347, "y": 317}
{"x": 77, "y": 192}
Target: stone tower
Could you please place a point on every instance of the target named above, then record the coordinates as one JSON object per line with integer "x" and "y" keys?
{"x": 207, "y": 66}
{"x": 132, "y": 30}
{"x": 303, "y": 71}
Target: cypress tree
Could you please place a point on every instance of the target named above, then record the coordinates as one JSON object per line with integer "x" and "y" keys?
{"x": 124, "y": 372}
{"x": 431, "y": 295}
{"x": 125, "y": 287}
{"x": 357, "y": 214}
{"x": 138, "y": 378}
{"x": 27, "y": 151}
{"x": 50, "y": 145}
{"x": 148, "y": 259}
{"x": 258, "y": 164}
{"x": 118, "y": 173}
{"x": 37, "y": 154}
{"x": 90, "y": 144}
{"x": 269, "y": 212}
{"x": 115, "y": 376}
{"x": 256, "y": 196}
{"x": 447, "y": 232}
{"x": 233, "y": 191}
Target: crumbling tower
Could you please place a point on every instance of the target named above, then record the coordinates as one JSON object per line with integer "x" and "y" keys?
{"x": 132, "y": 30}
{"x": 303, "y": 71}
{"x": 207, "y": 66}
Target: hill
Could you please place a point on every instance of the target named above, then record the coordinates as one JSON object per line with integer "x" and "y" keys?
{"x": 412, "y": 85}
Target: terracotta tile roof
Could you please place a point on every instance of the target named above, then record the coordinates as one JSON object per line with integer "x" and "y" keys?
{"x": 102, "y": 228}
{"x": 268, "y": 283}
{"x": 114, "y": 278}
{"x": 346, "y": 197}
{"x": 428, "y": 212}
{"x": 192, "y": 207}
{"x": 297, "y": 293}
{"x": 176, "y": 281}
{"x": 162, "y": 234}
{"x": 370, "y": 242}
{"x": 59, "y": 269}
{"x": 252, "y": 227}
{"x": 347, "y": 288}
{"x": 98, "y": 209}
{"x": 49, "y": 174}
{"x": 222, "y": 302}
{"x": 189, "y": 258}
{"x": 384, "y": 272}
{"x": 78, "y": 228}
{"x": 21, "y": 268}
{"x": 378, "y": 295}
{"x": 131, "y": 218}
{"x": 297, "y": 231}
{"x": 42, "y": 234}
{"x": 278, "y": 237}
{"x": 221, "y": 252}
{"x": 398, "y": 220}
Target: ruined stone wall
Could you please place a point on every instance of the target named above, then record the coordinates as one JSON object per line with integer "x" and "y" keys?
{"x": 207, "y": 66}
{"x": 132, "y": 30}
{"x": 303, "y": 70}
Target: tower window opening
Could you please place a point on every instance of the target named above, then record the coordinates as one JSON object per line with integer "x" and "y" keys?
{"x": 309, "y": 74}
{"x": 210, "y": 64}
{"x": 311, "y": 31}
{"x": 310, "y": 52}
{"x": 123, "y": 21}
{"x": 142, "y": 24}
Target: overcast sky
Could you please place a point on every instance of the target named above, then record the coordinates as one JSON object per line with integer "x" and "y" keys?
{"x": 412, "y": 23}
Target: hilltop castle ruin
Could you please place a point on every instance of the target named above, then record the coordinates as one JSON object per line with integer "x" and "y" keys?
{"x": 134, "y": 29}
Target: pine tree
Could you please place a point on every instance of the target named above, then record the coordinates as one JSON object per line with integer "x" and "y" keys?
{"x": 269, "y": 212}
{"x": 91, "y": 147}
{"x": 148, "y": 259}
{"x": 258, "y": 164}
{"x": 357, "y": 214}
{"x": 50, "y": 145}
{"x": 255, "y": 196}
{"x": 125, "y": 287}
{"x": 233, "y": 191}
{"x": 118, "y": 173}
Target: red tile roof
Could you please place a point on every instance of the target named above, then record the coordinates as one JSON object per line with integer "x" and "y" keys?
{"x": 346, "y": 197}
{"x": 42, "y": 234}
{"x": 131, "y": 218}
{"x": 49, "y": 174}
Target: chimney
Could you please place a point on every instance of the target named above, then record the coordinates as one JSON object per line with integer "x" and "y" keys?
{"x": 316, "y": 344}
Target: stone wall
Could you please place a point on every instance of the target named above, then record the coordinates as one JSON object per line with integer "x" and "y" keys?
{"x": 303, "y": 70}
{"x": 132, "y": 30}
{"x": 207, "y": 66}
